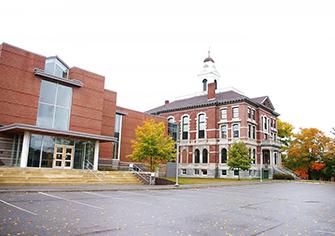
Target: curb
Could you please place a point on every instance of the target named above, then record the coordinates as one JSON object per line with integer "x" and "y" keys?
{"x": 144, "y": 188}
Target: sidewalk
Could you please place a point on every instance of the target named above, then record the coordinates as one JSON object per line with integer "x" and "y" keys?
{"x": 100, "y": 188}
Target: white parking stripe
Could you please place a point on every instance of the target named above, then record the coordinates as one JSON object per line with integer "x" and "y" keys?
{"x": 122, "y": 199}
{"x": 18, "y": 207}
{"x": 69, "y": 200}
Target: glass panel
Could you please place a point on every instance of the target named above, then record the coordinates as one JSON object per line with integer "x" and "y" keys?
{"x": 68, "y": 157}
{"x": 65, "y": 141}
{"x": 48, "y": 92}
{"x": 48, "y": 151}
{"x": 17, "y": 149}
{"x": 49, "y": 66}
{"x": 45, "y": 116}
{"x": 60, "y": 70}
{"x": 89, "y": 151}
{"x": 64, "y": 95}
{"x": 58, "y": 163}
{"x": 79, "y": 154}
{"x": 34, "y": 150}
{"x": 67, "y": 164}
{"x": 69, "y": 151}
{"x": 62, "y": 118}
{"x": 59, "y": 156}
{"x": 59, "y": 149}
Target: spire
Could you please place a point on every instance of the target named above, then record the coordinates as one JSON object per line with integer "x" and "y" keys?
{"x": 209, "y": 56}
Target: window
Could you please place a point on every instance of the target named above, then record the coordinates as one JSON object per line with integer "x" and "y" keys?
{"x": 236, "y": 130}
{"x": 249, "y": 131}
{"x": 183, "y": 171}
{"x": 235, "y": 112}
{"x": 224, "y": 172}
{"x": 201, "y": 126}
{"x": 204, "y": 156}
{"x": 197, "y": 156}
{"x": 117, "y": 132}
{"x": 253, "y": 114}
{"x": 224, "y": 155}
{"x": 224, "y": 114}
{"x": 224, "y": 131}
{"x": 254, "y": 156}
{"x": 54, "y": 106}
{"x": 236, "y": 172}
{"x": 204, "y": 84}
{"x": 196, "y": 171}
{"x": 254, "y": 132}
{"x": 54, "y": 66}
{"x": 249, "y": 113}
{"x": 204, "y": 171}
{"x": 265, "y": 123}
{"x": 185, "y": 124}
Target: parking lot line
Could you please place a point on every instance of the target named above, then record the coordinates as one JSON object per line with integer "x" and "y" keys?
{"x": 69, "y": 200}
{"x": 122, "y": 199}
{"x": 19, "y": 208}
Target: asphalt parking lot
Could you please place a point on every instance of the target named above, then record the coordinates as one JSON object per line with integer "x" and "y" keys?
{"x": 283, "y": 208}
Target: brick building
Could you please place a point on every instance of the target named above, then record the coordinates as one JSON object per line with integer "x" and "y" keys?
{"x": 212, "y": 120}
{"x": 54, "y": 116}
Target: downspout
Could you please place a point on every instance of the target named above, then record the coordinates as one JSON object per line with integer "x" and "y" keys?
{"x": 216, "y": 140}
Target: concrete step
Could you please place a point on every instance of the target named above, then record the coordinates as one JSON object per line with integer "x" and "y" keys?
{"x": 36, "y": 176}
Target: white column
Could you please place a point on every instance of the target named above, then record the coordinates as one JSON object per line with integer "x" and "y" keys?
{"x": 96, "y": 156}
{"x": 25, "y": 149}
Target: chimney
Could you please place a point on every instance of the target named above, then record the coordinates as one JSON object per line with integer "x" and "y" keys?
{"x": 167, "y": 102}
{"x": 211, "y": 91}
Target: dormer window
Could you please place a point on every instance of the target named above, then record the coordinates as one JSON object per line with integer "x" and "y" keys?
{"x": 54, "y": 66}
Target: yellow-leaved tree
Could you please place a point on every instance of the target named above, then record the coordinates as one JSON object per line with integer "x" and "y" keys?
{"x": 152, "y": 146}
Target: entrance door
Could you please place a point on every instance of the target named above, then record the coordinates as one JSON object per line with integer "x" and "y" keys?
{"x": 266, "y": 174}
{"x": 63, "y": 157}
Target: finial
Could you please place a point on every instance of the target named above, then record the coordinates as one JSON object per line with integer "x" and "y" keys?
{"x": 209, "y": 52}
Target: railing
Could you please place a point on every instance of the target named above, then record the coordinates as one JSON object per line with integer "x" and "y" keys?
{"x": 145, "y": 177}
{"x": 286, "y": 170}
{"x": 89, "y": 167}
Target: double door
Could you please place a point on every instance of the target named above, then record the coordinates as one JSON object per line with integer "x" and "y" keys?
{"x": 63, "y": 157}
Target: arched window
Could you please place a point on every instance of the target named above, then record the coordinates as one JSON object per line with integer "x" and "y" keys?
{"x": 201, "y": 126}
{"x": 224, "y": 155}
{"x": 204, "y": 85}
{"x": 204, "y": 156}
{"x": 197, "y": 156}
{"x": 185, "y": 127}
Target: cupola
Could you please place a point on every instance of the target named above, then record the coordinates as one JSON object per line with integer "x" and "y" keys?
{"x": 209, "y": 74}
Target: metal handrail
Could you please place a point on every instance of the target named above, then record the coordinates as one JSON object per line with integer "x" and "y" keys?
{"x": 140, "y": 173}
{"x": 286, "y": 170}
{"x": 103, "y": 175}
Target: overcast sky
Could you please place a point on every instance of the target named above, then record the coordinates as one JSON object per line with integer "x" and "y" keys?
{"x": 152, "y": 51}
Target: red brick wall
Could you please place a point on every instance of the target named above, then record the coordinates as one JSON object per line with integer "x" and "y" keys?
{"x": 108, "y": 123}
{"x": 87, "y": 102}
{"x": 19, "y": 87}
{"x": 129, "y": 125}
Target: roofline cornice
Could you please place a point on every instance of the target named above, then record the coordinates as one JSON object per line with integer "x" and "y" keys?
{"x": 221, "y": 102}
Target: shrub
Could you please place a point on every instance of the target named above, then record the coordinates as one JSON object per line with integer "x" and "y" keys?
{"x": 283, "y": 176}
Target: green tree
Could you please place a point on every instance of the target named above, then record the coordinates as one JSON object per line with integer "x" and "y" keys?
{"x": 152, "y": 146}
{"x": 239, "y": 157}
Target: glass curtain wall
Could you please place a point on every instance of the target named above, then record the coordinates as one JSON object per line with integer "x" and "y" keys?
{"x": 42, "y": 148}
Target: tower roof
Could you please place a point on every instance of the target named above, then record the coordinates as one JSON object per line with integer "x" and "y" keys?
{"x": 209, "y": 59}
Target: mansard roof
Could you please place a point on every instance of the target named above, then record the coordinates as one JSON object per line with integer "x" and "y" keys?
{"x": 226, "y": 97}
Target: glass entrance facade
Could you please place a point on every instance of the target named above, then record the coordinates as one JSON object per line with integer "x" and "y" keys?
{"x": 43, "y": 150}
